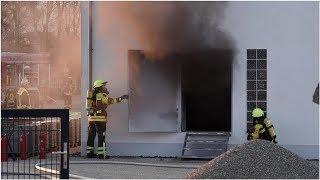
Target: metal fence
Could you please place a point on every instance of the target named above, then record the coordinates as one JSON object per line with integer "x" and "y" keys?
{"x": 31, "y": 137}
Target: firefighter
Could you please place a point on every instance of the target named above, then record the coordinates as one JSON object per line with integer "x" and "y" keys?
{"x": 67, "y": 92}
{"x": 10, "y": 99}
{"x": 97, "y": 102}
{"x": 23, "y": 95}
{"x": 263, "y": 129}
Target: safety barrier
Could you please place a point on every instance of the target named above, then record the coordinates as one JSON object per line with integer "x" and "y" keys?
{"x": 33, "y": 136}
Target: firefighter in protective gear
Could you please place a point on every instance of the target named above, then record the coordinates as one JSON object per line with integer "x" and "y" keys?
{"x": 67, "y": 91}
{"x": 23, "y": 99}
{"x": 10, "y": 100}
{"x": 263, "y": 129}
{"x": 98, "y": 101}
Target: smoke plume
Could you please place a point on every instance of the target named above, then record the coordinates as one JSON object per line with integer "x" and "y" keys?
{"x": 169, "y": 27}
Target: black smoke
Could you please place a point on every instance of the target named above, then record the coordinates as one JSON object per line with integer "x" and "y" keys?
{"x": 180, "y": 27}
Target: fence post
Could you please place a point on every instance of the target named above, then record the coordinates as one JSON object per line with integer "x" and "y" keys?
{"x": 64, "y": 167}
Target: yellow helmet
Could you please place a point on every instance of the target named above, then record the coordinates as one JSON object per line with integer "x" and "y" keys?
{"x": 257, "y": 112}
{"x": 99, "y": 83}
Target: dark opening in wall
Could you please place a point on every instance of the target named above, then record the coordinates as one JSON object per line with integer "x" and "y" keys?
{"x": 202, "y": 78}
{"x": 206, "y": 89}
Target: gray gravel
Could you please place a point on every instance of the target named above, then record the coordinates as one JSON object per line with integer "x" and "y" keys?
{"x": 258, "y": 159}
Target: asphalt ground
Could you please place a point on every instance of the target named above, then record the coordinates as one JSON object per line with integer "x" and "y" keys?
{"x": 123, "y": 171}
{"x": 150, "y": 168}
{"x": 106, "y": 168}
{"x": 116, "y": 171}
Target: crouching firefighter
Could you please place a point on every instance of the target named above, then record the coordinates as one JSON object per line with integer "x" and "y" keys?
{"x": 263, "y": 129}
{"x": 96, "y": 104}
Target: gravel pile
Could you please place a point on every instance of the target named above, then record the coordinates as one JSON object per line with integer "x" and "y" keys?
{"x": 257, "y": 159}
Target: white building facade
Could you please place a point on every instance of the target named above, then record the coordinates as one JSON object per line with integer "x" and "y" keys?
{"x": 287, "y": 31}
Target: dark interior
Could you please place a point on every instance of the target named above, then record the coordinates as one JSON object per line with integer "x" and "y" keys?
{"x": 206, "y": 90}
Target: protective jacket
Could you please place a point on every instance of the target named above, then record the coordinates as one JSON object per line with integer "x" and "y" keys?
{"x": 23, "y": 99}
{"x": 264, "y": 130}
{"x": 99, "y": 105}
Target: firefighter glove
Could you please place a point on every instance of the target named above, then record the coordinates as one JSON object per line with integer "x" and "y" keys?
{"x": 275, "y": 141}
{"x": 90, "y": 112}
{"x": 124, "y": 96}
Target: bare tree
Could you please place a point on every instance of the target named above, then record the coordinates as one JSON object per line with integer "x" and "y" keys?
{"x": 49, "y": 7}
{"x": 34, "y": 15}
{"x": 48, "y": 21}
{"x": 61, "y": 6}
{"x": 76, "y": 18}
{"x": 12, "y": 22}
{"x": 6, "y": 24}
{"x": 44, "y": 26}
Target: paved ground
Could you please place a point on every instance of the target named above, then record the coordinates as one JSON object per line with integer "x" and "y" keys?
{"x": 115, "y": 171}
{"x": 121, "y": 171}
{"x": 106, "y": 169}
{"x": 25, "y": 169}
{"x": 102, "y": 169}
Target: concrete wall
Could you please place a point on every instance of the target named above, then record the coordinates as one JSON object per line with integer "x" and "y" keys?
{"x": 288, "y": 30}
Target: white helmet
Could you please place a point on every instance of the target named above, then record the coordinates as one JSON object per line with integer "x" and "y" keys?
{"x": 24, "y": 81}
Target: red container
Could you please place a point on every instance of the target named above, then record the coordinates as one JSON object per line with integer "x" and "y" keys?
{"x": 43, "y": 142}
{"x": 4, "y": 147}
{"x": 23, "y": 146}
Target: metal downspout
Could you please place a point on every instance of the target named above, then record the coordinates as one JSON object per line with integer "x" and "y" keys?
{"x": 90, "y": 46}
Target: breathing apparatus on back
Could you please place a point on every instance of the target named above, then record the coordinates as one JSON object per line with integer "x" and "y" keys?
{"x": 89, "y": 102}
{"x": 99, "y": 85}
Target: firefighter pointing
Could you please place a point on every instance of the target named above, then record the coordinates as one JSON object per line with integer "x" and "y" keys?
{"x": 263, "y": 129}
{"x": 23, "y": 95}
{"x": 96, "y": 104}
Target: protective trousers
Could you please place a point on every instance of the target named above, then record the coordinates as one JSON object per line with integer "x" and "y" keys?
{"x": 100, "y": 129}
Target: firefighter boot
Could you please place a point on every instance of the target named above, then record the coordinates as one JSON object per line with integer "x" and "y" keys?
{"x": 91, "y": 155}
{"x": 103, "y": 157}
{"x": 100, "y": 156}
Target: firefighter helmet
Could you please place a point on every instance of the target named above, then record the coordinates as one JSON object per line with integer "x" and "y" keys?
{"x": 99, "y": 83}
{"x": 24, "y": 81}
{"x": 257, "y": 112}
